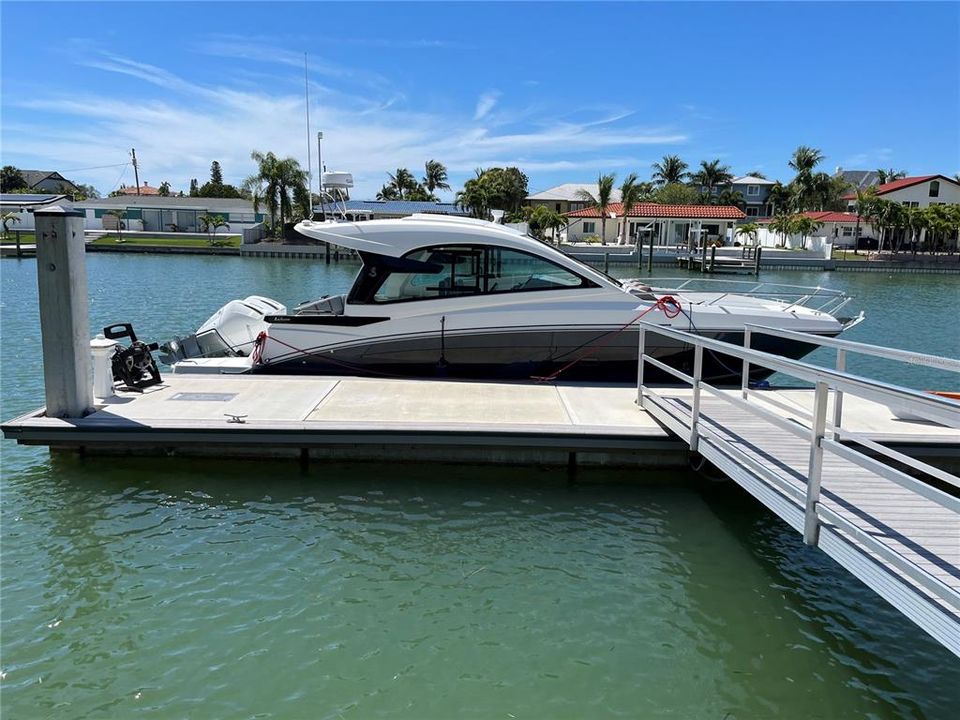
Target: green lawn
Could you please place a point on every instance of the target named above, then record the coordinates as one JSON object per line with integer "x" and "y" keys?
{"x": 25, "y": 239}
{"x": 165, "y": 241}
{"x": 848, "y": 255}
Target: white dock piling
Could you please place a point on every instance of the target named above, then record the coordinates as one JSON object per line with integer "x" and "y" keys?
{"x": 64, "y": 320}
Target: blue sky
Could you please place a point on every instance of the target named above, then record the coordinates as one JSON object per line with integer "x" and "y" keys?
{"x": 563, "y": 90}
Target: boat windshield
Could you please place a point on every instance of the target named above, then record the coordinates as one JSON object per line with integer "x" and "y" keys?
{"x": 458, "y": 270}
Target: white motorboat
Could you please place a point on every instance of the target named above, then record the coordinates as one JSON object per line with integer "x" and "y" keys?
{"x": 438, "y": 296}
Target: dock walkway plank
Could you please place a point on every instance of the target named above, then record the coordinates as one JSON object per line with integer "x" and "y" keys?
{"x": 923, "y": 532}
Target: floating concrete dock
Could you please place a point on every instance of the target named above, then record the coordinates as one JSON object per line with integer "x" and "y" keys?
{"x": 840, "y": 462}
{"x": 371, "y": 419}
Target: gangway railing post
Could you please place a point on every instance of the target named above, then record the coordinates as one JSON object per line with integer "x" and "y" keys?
{"x": 811, "y": 523}
{"x": 695, "y": 411}
{"x": 838, "y": 394}
{"x": 745, "y": 378}
{"x": 640, "y": 351}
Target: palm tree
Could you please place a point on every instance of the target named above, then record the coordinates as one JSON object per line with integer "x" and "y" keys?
{"x": 803, "y": 161}
{"x": 883, "y": 214}
{"x": 914, "y": 221}
{"x": 885, "y": 176}
{"x": 670, "y": 170}
{"x": 939, "y": 222}
{"x": 780, "y": 198}
{"x": 805, "y": 225}
{"x": 6, "y": 219}
{"x": 210, "y": 224}
{"x": 749, "y": 230}
{"x": 401, "y": 182}
{"x": 291, "y": 178}
{"x": 711, "y": 174}
{"x": 601, "y": 202}
{"x": 388, "y": 192}
{"x": 435, "y": 176}
{"x": 631, "y": 192}
{"x": 119, "y": 214}
{"x": 729, "y": 196}
{"x": 474, "y": 197}
{"x": 782, "y": 225}
{"x": 267, "y": 179}
{"x": 862, "y": 207}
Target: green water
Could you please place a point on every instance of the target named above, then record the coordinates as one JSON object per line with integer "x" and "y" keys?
{"x": 215, "y": 589}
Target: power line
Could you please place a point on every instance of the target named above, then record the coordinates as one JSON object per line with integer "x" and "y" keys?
{"x": 96, "y": 167}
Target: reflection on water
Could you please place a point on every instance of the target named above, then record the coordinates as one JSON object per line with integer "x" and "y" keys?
{"x": 221, "y": 588}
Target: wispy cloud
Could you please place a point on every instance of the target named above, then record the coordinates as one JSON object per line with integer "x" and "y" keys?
{"x": 485, "y": 104}
{"x": 369, "y": 129}
{"x": 868, "y": 159}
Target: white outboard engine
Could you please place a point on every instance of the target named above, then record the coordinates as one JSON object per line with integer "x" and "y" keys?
{"x": 230, "y": 331}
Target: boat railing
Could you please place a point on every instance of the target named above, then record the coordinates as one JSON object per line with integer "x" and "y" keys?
{"x": 819, "y": 298}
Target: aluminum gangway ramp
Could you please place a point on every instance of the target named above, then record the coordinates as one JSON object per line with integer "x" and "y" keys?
{"x": 850, "y": 496}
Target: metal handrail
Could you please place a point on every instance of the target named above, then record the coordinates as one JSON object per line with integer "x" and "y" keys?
{"x": 913, "y": 358}
{"x": 824, "y": 379}
{"x": 842, "y": 347}
{"x": 940, "y": 409}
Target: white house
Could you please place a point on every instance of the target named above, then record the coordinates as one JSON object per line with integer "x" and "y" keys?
{"x": 836, "y": 228}
{"x": 567, "y": 197}
{"x": 167, "y": 214}
{"x": 920, "y": 191}
{"x": 668, "y": 224}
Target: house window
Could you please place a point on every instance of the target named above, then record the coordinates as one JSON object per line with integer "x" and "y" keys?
{"x": 556, "y": 207}
{"x": 847, "y": 231}
{"x": 589, "y": 227}
{"x": 753, "y": 189}
{"x": 935, "y": 188}
{"x": 753, "y": 211}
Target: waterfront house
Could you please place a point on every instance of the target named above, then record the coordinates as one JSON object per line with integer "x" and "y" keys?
{"x": 755, "y": 192}
{"x": 668, "y": 224}
{"x": 838, "y": 228}
{"x": 567, "y": 197}
{"x": 154, "y": 213}
{"x": 918, "y": 191}
{"x": 48, "y": 181}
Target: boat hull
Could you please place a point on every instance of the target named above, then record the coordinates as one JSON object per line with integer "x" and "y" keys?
{"x": 575, "y": 355}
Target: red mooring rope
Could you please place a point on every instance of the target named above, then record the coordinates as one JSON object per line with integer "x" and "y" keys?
{"x": 668, "y": 304}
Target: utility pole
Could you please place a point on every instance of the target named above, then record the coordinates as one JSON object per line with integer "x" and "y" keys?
{"x": 136, "y": 174}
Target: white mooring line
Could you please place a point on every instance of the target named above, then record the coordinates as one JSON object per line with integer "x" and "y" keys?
{"x": 896, "y": 533}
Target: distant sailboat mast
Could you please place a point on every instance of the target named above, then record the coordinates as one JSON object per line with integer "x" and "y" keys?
{"x": 306, "y": 89}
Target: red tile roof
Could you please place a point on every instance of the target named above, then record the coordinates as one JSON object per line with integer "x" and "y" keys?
{"x": 900, "y": 184}
{"x": 655, "y": 210}
{"x": 144, "y": 190}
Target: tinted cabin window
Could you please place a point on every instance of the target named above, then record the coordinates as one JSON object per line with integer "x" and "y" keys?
{"x": 457, "y": 271}
{"x": 935, "y": 188}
